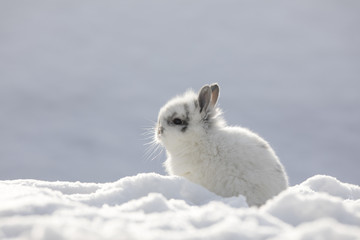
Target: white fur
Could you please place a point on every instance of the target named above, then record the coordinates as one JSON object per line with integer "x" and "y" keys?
{"x": 226, "y": 160}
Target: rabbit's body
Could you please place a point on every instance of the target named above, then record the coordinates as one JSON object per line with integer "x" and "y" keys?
{"x": 226, "y": 160}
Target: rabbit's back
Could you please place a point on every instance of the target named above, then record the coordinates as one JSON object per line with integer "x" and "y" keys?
{"x": 233, "y": 161}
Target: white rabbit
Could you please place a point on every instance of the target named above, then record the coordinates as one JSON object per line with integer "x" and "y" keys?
{"x": 226, "y": 160}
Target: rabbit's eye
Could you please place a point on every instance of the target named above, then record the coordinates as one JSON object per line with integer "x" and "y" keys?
{"x": 177, "y": 121}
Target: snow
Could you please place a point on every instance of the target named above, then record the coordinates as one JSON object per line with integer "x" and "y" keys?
{"x": 80, "y": 80}
{"x": 152, "y": 206}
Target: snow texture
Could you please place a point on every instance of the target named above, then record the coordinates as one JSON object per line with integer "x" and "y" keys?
{"x": 151, "y": 206}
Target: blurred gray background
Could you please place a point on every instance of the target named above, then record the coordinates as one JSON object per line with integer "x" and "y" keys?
{"x": 81, "y": 80}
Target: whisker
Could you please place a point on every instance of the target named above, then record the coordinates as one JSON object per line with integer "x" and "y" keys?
{"x": 150, "y": 120}
{"x": 161, "y": 150}
{"x": 148, "y": 133}
{"x": 153, "y": 150}
{"x": 149, "y": 128}
{"x": 149, "y": 137}
{"x": 150, "y": 143}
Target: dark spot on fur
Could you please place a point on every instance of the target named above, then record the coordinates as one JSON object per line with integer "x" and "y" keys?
{"x": 187, "y": 118}
{"x": 208, "y": 120}
{"x": 196, "y": 104}
{"x": 183, "y": 129}
{"x": 185, "y": 125}
{"x": 169, "y": 119}
{"x": 187, "y": 113}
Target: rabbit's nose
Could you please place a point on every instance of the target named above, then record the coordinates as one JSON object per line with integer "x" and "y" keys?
{"x": 160, "y": 130}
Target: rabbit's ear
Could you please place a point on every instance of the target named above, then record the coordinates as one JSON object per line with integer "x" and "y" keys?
{"x": 204, "y": 98}
{"x": 214, "y": 93}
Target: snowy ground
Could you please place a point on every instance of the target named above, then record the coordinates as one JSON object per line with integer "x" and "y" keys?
{"x": 81, "y": 80}
{"x": 151, "y": 206}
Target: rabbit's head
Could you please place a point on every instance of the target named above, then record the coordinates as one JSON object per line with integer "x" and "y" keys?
{"x": 188, "y": 117}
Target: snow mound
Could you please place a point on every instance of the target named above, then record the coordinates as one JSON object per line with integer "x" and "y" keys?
{"x": 151, "y": 206}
